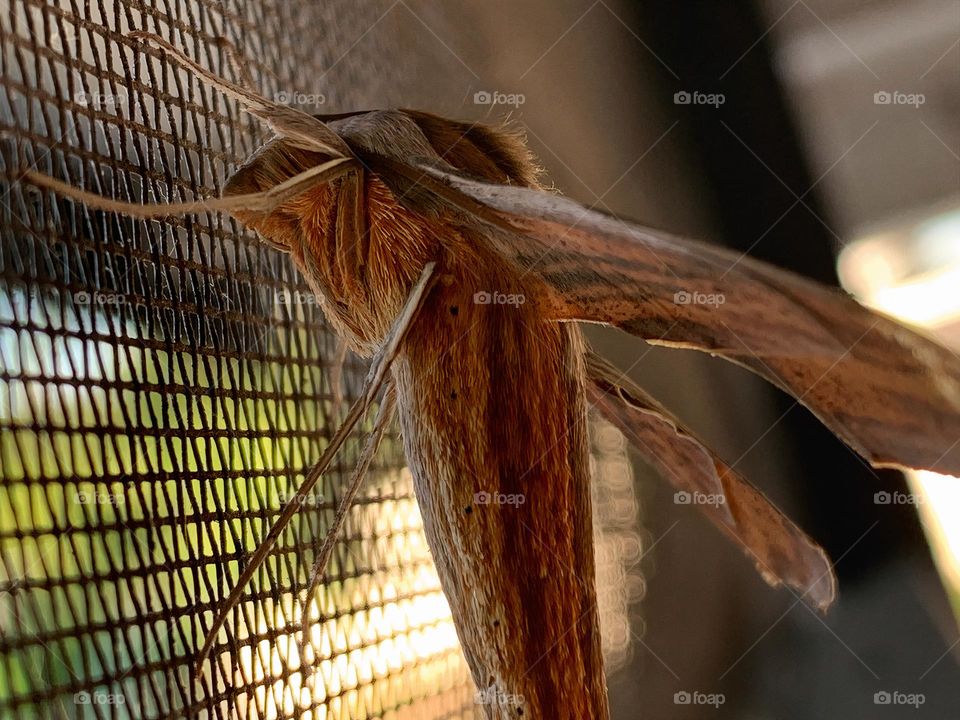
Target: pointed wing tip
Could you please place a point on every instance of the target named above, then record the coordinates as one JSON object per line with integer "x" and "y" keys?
{"x": 816, "y": 582}
{"x": 822, "y": 595}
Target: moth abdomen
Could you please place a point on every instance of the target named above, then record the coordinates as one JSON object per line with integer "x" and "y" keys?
{"x": 502, "y": 480}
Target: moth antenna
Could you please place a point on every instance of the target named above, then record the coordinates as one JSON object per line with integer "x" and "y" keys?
{"x": 264, "y": 201}
{"x": 302, "y": 129}
{"x": 375, "y": 379}
{"x": 318, "y": 574}
{"x": 252, "y": 100}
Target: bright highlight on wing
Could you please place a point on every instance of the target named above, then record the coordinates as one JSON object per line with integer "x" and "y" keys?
{"x": 914, "y": 274}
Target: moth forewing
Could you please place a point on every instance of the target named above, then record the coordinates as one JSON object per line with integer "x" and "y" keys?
{"x": 888, "y": 391}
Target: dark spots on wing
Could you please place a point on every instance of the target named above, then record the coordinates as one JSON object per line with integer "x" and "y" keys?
{"x": 468, "y": 509}
{"x": 454, "y": 310}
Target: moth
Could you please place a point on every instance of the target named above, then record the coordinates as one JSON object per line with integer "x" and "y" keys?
{"x": 410, "y": 227}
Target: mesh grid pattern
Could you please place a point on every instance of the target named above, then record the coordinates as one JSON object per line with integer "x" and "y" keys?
{"x": 158, "y": 404}
{"x": 164, "y": 387}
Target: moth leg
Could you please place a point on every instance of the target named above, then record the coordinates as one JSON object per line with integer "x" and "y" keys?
{"x": 781, "y": 551}
{"x": 251, "y": 202}
{"x": 384, "y": 417}
{"x": 372, "y": 384}
{"x": 302, "y": 129}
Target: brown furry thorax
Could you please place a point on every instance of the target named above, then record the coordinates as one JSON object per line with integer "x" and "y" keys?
{"x": 362, "y": 278}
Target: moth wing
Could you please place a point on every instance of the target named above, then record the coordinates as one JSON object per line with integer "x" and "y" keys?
{"x": 781, "y": 551}
{"x": 889, "y": 392}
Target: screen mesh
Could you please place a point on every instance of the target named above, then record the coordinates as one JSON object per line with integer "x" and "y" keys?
{"x": 165, "y": 385}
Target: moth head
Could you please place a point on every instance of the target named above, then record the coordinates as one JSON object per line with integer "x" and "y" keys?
{"x": 274, "y": 163}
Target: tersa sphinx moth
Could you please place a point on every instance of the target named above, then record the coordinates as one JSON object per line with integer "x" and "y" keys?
{"x": 400, "y": 220}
